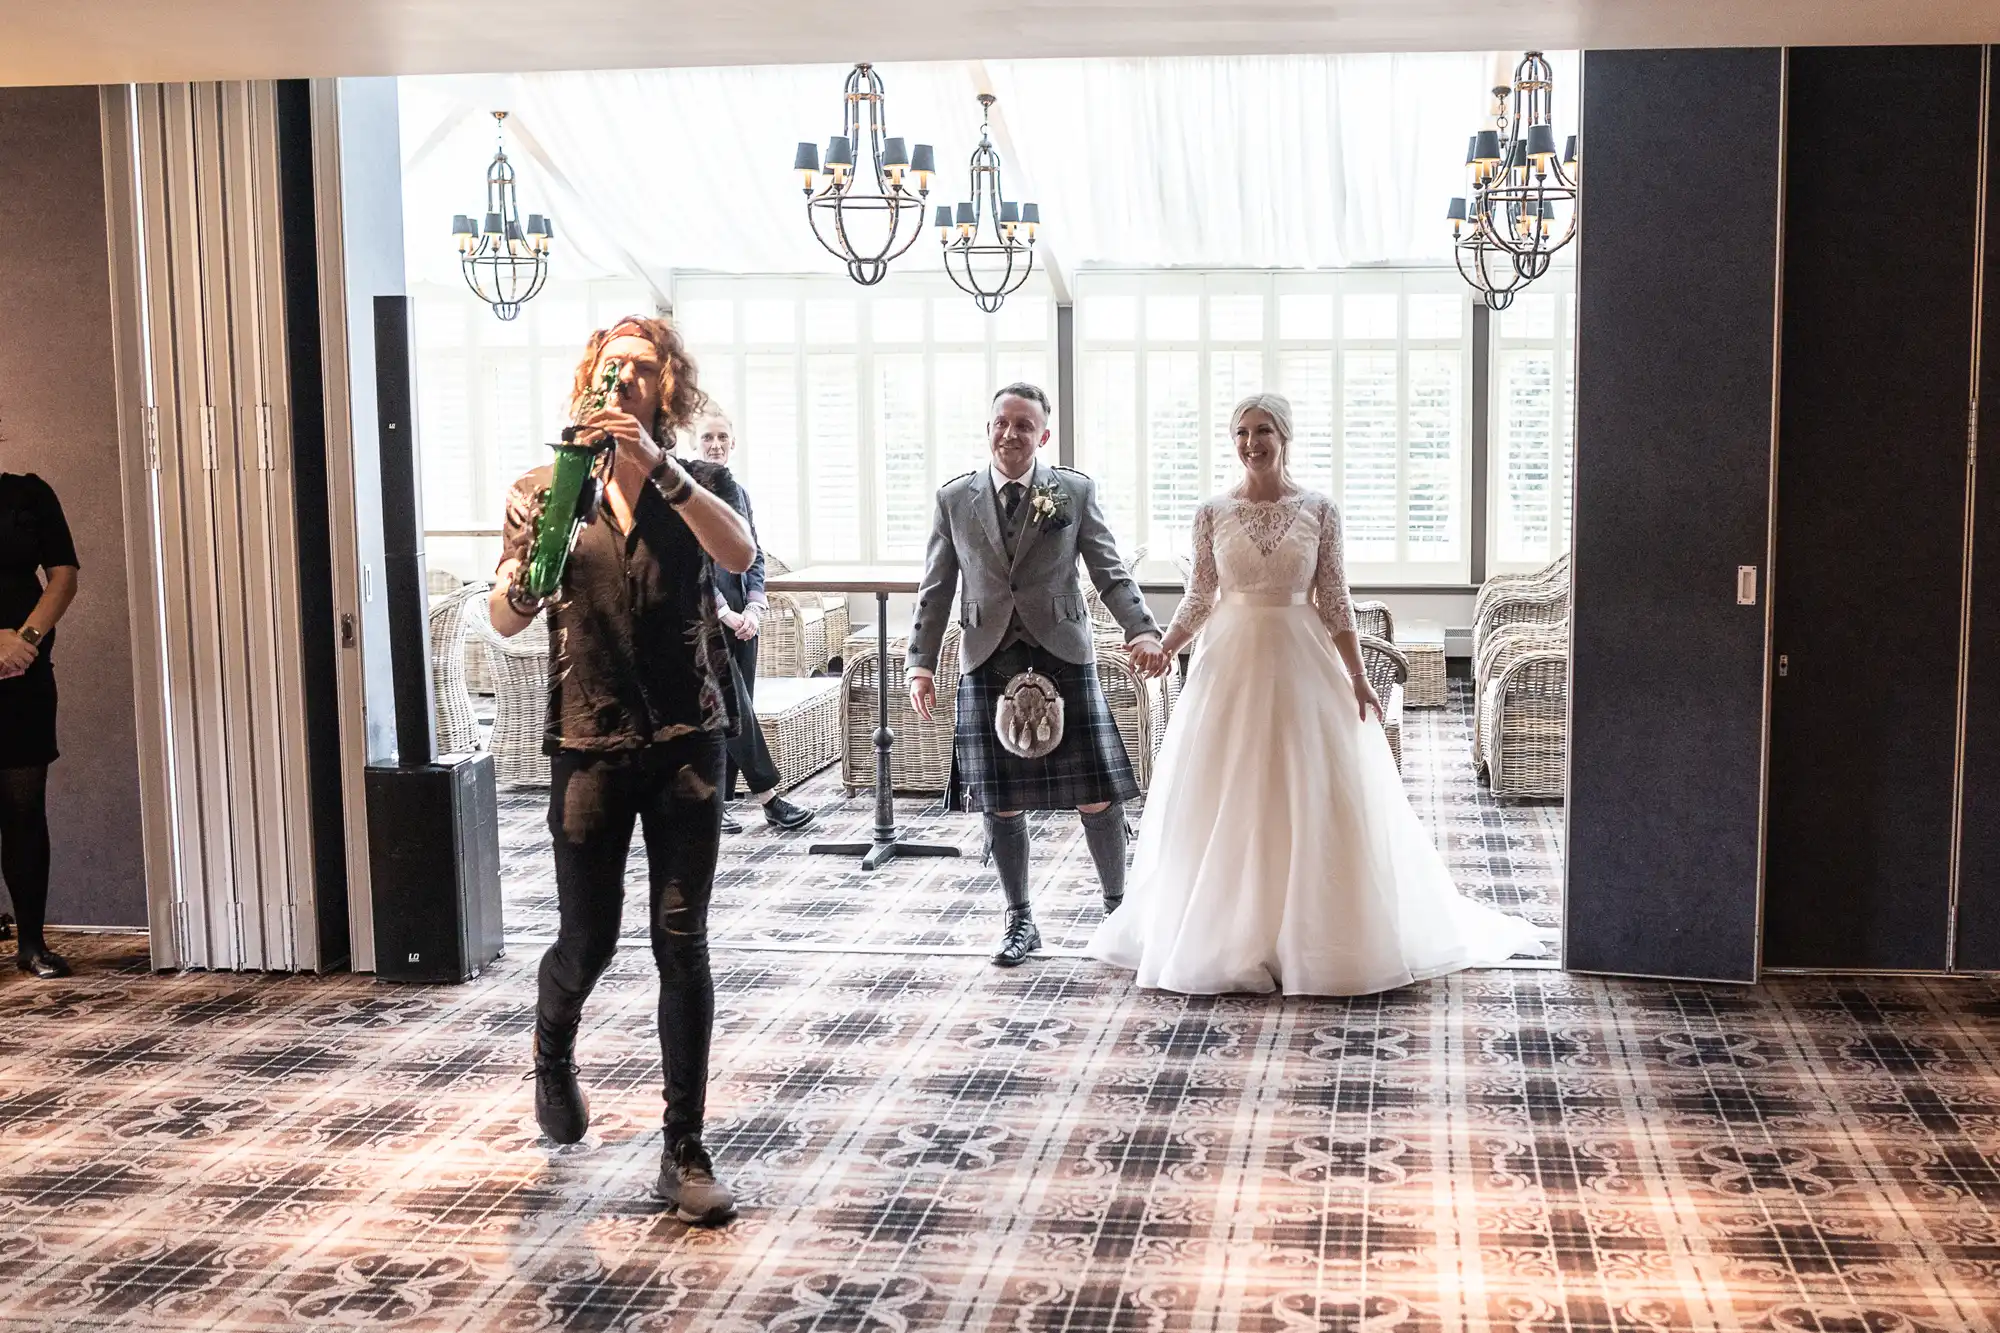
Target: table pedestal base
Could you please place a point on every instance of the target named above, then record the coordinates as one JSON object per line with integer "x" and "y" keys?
{"x": 875, "y": 855}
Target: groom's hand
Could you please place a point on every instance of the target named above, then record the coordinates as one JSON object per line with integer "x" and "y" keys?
{"x": 1148, "y": 658}
{"x": 923, "y": 696}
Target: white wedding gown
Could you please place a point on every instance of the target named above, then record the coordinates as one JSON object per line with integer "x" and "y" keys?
{"x": 1278, "y": 850}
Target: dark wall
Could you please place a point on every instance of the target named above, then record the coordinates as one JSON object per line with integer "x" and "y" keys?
{"x": 1979, "y": 869}
{"x": 1674, "y": 367}
{"x": 58, "y": 418}
{"x": 1871, "y": 503}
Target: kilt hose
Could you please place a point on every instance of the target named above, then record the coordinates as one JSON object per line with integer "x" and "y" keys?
{"x": 1089, "y": 766}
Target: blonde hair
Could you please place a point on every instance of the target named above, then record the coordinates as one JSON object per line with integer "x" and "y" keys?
{"x": 1279, "y": 409}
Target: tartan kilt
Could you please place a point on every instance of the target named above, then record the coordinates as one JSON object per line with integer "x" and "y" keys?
{"x": 1089, "y": 766}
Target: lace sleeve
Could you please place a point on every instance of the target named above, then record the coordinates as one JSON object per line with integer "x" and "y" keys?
{"x": 1199, "y": 603}
{"x": 1336, "y": 612}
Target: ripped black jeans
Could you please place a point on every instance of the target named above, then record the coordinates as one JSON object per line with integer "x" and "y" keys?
{"x": 673, "y": 791}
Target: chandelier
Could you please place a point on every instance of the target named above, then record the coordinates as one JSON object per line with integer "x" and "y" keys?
{"x": 1522, "y": 206}
{"x": 865, "y": 219}
{"x": 989, "y": 242}
{"x": 504, "y": 262}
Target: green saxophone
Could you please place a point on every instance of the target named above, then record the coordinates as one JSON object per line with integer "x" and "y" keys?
{"x": 569, "y": 502}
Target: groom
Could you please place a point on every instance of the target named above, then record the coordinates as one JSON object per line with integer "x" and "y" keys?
{"x": 1006, "y": 539}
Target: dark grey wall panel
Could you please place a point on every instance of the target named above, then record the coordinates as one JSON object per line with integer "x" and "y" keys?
{"x": 58, "y": 418}
{"x": 1979, "y": 867}
{"x": 1871, "y": 500}
{"x": 1677, "y": 280}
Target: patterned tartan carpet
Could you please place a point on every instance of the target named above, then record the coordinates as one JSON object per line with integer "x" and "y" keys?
{"x": 771, "y": 892}
{"x": 923, "y": 1143}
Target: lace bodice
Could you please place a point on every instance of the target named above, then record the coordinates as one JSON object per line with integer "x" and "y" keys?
{"x": 1268, "y": 547}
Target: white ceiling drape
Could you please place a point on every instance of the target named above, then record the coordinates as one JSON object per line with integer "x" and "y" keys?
{"x": 1261, "y": 162}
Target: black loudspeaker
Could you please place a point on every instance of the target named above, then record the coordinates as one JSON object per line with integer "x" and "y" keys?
{"x": 434, "y": 854}
{"x": 433, "y": 820}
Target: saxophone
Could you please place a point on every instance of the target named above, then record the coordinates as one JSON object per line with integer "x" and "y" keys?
{"x": 570, "y": 501}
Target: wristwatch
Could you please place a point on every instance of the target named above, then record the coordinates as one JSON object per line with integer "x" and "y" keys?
{"x": 32, "y": 636}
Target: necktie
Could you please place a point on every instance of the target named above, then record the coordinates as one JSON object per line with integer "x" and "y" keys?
{"x": 1010, "y": 498}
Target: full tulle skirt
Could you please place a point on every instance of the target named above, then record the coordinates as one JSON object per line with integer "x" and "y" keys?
{"x": 1277, "y": 849}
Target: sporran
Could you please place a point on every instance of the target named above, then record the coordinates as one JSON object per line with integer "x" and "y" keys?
{"x": 1029, "y": 717}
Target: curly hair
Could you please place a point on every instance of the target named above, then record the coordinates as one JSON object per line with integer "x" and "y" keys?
{"x": 679, "y": 408}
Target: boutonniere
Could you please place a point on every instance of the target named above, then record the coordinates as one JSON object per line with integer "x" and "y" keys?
{"x": 1048, "y": 506}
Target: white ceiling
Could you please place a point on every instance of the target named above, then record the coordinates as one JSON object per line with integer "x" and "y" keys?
{"x": 99, "y": 41}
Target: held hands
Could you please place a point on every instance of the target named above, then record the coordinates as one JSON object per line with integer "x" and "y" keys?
{"x": 1148, "y": 658}
{"x": 743, "y": 624}
{"x": 16, "y": 654}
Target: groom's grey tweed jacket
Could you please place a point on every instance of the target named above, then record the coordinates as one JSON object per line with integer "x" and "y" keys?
{"x": 1038, "y": 582}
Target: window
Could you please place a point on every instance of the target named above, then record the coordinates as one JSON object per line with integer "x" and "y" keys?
{"x": 853, "y": 405}
{"x": 1377, "y": 368}
{"x": 1533, "y": 425}
{"x": 492, "y": 396}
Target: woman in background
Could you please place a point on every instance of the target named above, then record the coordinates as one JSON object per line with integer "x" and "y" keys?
{"x": 38, "y": 570}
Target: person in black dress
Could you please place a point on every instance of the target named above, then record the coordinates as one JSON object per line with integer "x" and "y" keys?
{"x": 38, "y": 569}
{"x": 740, "y": 604}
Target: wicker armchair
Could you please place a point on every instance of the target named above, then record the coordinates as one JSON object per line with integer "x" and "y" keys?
{"x": 520, "y": 702}
{"x": 1523, "y": 720}
{"x": 1141, "y": 708}
{"x": 1508, "y": 599}
{"x": 1503, "y": 647}
{"x": 452, "y": 625}
{"x": 921, "y": 760}
{"x": 1386, "y": 668}
{"x": 802, "y": 630}
{"x": 1375, "y": 618}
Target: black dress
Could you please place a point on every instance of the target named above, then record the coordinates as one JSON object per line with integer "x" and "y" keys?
{"x": 34, "y": 536}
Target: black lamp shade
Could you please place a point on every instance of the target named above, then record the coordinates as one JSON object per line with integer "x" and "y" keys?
{"x": 944, "y": 215}
{"x": 1486, "y": 146}
{"x": 923, "y": 159}
{"x": 1471, "y": 149}
{"x": 461, "y": 225}
{"x": 895, "y": 153}
{"x": 1009, "y": 211}
{"x": 966, "y": 217}
{"x": 1569, "y": 152}
{"x": 1031, "y": 214}
{"x": 839, "y": 152}
{"x": 513, "y": 231}
{"x": 492, "y": 227}
{"x": 806, "y": 158}
{"x": 537, "y": 225}
{"x": 1541, "y": 141}
{"x": 1456, "y": 213}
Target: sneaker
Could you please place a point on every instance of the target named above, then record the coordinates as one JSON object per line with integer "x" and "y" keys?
{"x": 1022, "y": 938}
{"x": 561, "y": 1109}
{"x": 687, "y": 1183}
{"x": 1112, "y": 904}
{"x": 780, "y": 813}
{"x": 730, "y": 824}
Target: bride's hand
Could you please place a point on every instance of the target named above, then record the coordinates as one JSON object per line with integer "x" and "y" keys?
{"x": 1365, "y": 696}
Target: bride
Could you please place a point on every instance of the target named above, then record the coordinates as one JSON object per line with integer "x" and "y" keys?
{"x": 1277, "y": 850}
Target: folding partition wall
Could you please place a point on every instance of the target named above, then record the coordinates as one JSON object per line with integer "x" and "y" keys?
{"x": 193, "y": 182}
{"x": 1785, "y": 709}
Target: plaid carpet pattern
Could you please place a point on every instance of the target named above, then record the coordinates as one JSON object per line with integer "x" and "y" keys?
{"x": 929, "y": 1144}
{"x": 771, "y": 892}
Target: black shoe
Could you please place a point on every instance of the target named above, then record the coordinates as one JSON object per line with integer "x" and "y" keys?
{"x": 561, "y": 1109}
{"x": 780, "y": 813}
{"x": 44, "y": 962}
{"x": 687, "y": 1182}
{"x": 1113, "y": 904}
{"x": 730, "y": 824}
{"x": 1023, "y": 938}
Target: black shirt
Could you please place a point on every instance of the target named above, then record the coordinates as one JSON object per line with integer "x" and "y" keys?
{"x": 636, "y": 652}
{"x": 34, "y": 536}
